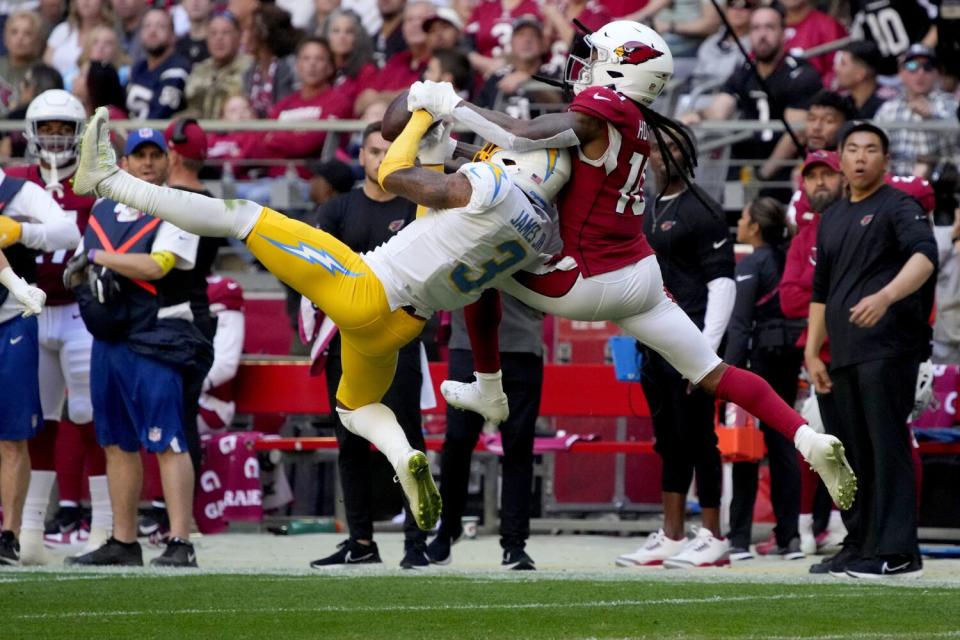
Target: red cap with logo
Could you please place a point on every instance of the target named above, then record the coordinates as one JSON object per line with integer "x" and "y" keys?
{"x": 828, "y": 158}
{"x": 185, "y": 136}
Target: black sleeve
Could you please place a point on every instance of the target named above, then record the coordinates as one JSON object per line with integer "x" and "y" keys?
{"x": 804, "y": 88}
{"x": 329, "y": 217}
{"x": 741, "y": 320}
{"x": 714, "y": 245}
{"x": 912, "y": 227}
{"x": 735, "y": 83}
{"x": 821, "y": 273}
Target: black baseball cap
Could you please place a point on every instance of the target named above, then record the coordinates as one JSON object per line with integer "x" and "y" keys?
{"x": 864, "y": 125}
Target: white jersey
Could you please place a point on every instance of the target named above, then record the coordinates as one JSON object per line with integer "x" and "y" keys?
{"x": 444, "y": 259}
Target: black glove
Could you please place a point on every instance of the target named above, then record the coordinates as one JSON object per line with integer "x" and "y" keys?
{"x": 75, "y": 265}
{"x": 103, "y": 284}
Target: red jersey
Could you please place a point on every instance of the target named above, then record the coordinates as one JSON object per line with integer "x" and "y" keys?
{"x": 620, "y": 8}
{"x": 815, "y": 29}
{"x": 491, "y": 25}
{"x": 233, "y": 146}
{"x": 350, "y": 87}
{"x": 328, "y": 104}
{"x": 601, "y": 208}
{"x": 50, "y": 266}
{"x": 400, "y": 72}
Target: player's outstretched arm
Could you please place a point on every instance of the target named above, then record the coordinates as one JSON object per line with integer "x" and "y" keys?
{"x": 429, "y": 188}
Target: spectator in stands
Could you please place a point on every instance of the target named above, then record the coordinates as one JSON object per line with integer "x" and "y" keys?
{"x": 827, "y": 114}
{"x": 758, "y": 337}
{"x": 243, "y": 11}
{"x": 352, "y": 53}
{"x": 65, "y": 43}
{"x": 22, "y": 39}
{"x": 322, "y": 10}
{"x": 920, "y": 101}
{"x": 406, "y": 67}
{"x": 363, "y": 219}
{"x": 512, "y": 87}
{"x": 102, "y": 44}
{"x": 51, "y": 12}
{"x": 217, "y": 406}
{"x": 855, "y": 71}
{"x": 521, "y": 358}
{"x": 271, "y": 77}
{"x": 234, "y": 146}
{"x": 791, "y": 83}
{"x": 489, "y": 28}
{"x": 327, "y": 180}
{"x": 156, "y": 83}
{"x": 893, "y": 25}
{"x": 808, "y": 27}
{"x": 130, "y": 13}
{"x": 695, "y": 253}
{"x": 193, "y": 45}
{"x": 450, "y": 65}
{"x": 389, "y": 39}
{"x": 38, "y": 79}
{"x": 222, "y": 73}
{"x": 875, "y": 251}
{"x": 99, "y": 86}
{"x": 559, "y": 19}
{"x": 444, "y": 29}
{"x": 140, "y": 362}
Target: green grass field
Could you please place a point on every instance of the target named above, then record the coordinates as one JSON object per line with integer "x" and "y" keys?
{"x": 36, "y": 605}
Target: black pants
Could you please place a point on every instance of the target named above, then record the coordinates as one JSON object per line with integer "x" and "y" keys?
{"x": 780, "y": 369}
{"x": 356, "y": 462}
{"x": 522, "y": 382}
{"x": 683, "y": 430}
{"x": 873, "y": 400}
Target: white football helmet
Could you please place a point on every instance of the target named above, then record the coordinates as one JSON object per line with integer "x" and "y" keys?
{"x": 54, "y": 104}
{"x": 541, "y": 174}
{"x": 628, "y": 56}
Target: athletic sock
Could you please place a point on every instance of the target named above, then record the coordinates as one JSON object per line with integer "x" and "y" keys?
{"x": 38, "y": 498}
{"x": 490, "y": 384}
{"x": 101, "y": 516}
{"x": 378, "y": 425}
{"x": 483, "y": 326}
{"x": 748, "y": 390}
{"x": 191, "y": 212}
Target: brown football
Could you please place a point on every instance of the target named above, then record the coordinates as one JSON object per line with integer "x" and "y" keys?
{"x": 395, "y": 118}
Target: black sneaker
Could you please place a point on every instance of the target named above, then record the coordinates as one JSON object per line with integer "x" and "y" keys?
{"x": 414, "y": 556}
{"x": 836, "y": 565}
{"x": 66, "y": 520}
{"x": 350, "y": 552}
{"x": 739, "y": 554}
{"x": 179, "y": 553}
{"x": 112, "y": 554}
{"x": 438, "y": 551}
{"x": 883, "y": 567}
{"x": 517, "y": 560}
{"x": 153, "y": 523}
{"x": 789, "y": 552}
{"x": 9, "y": 549}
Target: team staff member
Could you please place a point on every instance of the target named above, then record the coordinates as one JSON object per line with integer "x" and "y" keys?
{"x": 521, "y": 358}
{"x": 131, "y": 277}
{"x": 695, "y": 254}
{"x": 759, "y": 336}
{"x": 363, "y": 219}
{"x": 875, "y": 250}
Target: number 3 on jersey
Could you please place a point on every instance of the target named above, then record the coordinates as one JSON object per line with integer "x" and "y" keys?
{"x": 632, "y": 190}
{"x": 467, "y": 280}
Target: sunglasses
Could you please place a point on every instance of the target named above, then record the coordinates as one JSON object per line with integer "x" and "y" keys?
{"x": 915, "y": 65}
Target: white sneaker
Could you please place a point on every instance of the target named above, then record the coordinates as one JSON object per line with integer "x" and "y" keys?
{"x": 654, "y": 551}
{"x": 467, "y": 396}
{"x": 824, "y": 453}
{"x": 97, "y": 160}
{"x": 32, "y": 551}
{"x": 808, "y": 542}
{"x": 702, "y": 551}
{"x": 417, "y": 482}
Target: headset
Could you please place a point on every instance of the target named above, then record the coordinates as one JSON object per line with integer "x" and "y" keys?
{"x": 180, "y": 129}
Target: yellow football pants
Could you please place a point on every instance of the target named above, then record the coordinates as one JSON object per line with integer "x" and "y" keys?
{"x": 337, "y": 280}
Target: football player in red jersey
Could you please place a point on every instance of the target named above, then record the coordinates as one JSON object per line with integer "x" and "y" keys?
{"x": 614, "y": 274}
{"x": 54, "y": 123}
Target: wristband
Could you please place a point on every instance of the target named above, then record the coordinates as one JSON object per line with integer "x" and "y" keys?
{"x": 91, "y": 255}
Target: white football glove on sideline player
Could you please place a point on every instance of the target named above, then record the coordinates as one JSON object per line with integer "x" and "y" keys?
{"x": 29, "y": 296}
{"x": 439, "y": 98}
{"x": 436, "y": 147}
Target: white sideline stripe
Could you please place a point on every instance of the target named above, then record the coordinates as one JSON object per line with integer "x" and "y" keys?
{"x": 417, "y": 608}
{"x": 852, "y": 634}
{"x": 55, "y": 578}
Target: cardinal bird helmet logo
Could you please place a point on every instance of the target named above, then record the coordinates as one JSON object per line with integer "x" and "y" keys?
{"x": 636, "y": 53}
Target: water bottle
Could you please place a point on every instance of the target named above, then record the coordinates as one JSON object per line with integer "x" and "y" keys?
{"x": 308, "y": 525}
{"x": 228, "y": 183}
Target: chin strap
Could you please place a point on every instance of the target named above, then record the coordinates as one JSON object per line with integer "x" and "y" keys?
{"x": 51, "y": 177}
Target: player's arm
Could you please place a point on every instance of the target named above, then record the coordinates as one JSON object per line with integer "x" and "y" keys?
{"x": 549, "y": 131}
{"x": 37, "y": 222}
{"x": 398, "y": 173}
{"x": 136, "y": 266}
{"x": 30, "y": 297}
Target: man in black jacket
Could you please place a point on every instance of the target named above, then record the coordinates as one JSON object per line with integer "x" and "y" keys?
{"x": 875, "y": 250}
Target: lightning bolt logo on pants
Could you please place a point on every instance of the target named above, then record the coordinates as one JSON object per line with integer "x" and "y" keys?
{"x": 313, "y": 255}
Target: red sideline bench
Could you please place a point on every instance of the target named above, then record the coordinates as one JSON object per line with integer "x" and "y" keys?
{"x": 283, "y": 386}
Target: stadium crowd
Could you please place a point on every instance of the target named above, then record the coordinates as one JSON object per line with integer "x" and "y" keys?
{"x": 877, "y": 69}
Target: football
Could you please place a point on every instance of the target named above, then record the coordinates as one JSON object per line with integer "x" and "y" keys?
{"x": 396, "y": 118}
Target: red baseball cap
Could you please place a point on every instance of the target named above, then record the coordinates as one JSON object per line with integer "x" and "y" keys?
{"x": 828, "y": 158}
{"x": 186, "y": 138}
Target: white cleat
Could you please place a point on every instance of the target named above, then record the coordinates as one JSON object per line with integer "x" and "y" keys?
{"x": 98, "y": 160}
{"x": 826, "y": 456}
{"x": 32, "y": 550}
{"x": 654, "y": 551}
{"x": 704, "y": 550}
{"x": 417, "y": 483}
{"x": 808, "y": 542}
{"x": 467, "y": 396}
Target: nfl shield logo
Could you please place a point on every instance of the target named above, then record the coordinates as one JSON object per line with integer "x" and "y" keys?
{"x": 155, "y": 434}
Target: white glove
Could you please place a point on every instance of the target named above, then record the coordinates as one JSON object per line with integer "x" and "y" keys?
{"x": 29, "y": 296}
{"x": 437, "y": 146}
{"x": 923, "y": 395}
{"x": 439, "y": 98}
{"x": 810, "y": 410}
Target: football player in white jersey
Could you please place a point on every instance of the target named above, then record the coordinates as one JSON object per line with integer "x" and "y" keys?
{"x": 487, "y": 220}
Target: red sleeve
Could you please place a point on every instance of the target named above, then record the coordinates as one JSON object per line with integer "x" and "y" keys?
{"x": 795, "y": 290}
{"x": 603, "y": 103}
{"x": 918, "y": 188}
